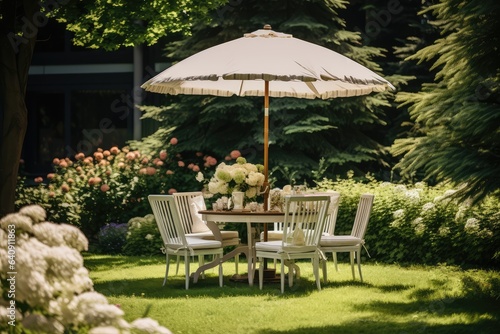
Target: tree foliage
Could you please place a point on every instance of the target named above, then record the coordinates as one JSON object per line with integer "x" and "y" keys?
{"x": 456, "y": 134}
{"x": 113, "y": 24}
{"x": 300, "y": 131}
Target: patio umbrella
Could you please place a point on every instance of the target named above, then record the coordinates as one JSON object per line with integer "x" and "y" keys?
{"x": 268, "y": 63}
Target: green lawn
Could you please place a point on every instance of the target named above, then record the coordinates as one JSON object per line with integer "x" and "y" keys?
{"x": 392, "y": 299}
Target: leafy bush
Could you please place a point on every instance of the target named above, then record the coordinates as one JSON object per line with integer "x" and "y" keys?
{"x": 112, "y": 238}
{"x": 421, "y": 224}
{"x": 112, "y": 185}
{"x": 143, "y": 237}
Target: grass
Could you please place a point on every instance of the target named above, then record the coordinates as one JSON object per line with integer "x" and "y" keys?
{"x": 392, "y": 299}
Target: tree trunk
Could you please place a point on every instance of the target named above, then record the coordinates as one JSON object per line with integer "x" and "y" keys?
{"x": 16, "y": 52}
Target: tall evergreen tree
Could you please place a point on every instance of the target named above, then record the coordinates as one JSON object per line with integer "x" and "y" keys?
{"x": 301, "y": 131}
{"x": 456, "y": 136}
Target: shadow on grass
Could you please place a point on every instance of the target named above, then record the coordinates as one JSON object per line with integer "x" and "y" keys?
{"x": 175, "y": 288}
{"x": 97, "y": 262}
{"x": 383, "y": 327}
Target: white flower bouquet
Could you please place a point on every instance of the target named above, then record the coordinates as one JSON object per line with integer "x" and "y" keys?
{"x": 242, "y": 176}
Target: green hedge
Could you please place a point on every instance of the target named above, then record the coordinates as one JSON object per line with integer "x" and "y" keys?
{"x": 421, "y": 224}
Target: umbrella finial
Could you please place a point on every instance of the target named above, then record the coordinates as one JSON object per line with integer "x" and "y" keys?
{"x": 267, "y": 27}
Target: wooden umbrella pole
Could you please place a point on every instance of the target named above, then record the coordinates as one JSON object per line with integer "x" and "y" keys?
{"x": 266, "y": 144}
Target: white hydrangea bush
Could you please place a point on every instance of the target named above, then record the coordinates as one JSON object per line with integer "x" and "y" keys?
{"x": 44, "y": 286}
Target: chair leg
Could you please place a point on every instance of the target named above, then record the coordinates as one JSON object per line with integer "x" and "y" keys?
{"x": 236, "y": 262}
{"x": 316, "y": 271}
{"x": 221, "y": 277}
{"x": 358, "y": 256}
{"x": 167, "y": 265}
{"x": 186, "y": 264}
{"x": 334, "y": 254}
{"x": 282, "y": 275}
{"x": 177, "y": 267}
{"x": 261, "y": 272}
{"x": 291, "y": 265}
{"x": 351, "y": 256}
{"x": 323, "y": 267}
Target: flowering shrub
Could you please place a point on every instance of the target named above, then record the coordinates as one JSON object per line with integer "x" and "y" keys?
{"x": 143, "y": 237}
{"x": 421, "y": 224}
{"x": 112, "y": 238}
{"x": 50, "y": 290}
{"x": 242, "y": 176}
{"x": 112, "y": 185}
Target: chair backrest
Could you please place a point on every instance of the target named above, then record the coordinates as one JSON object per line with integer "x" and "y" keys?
{"x": 333, "y": 210}
{"x": 304, "y": 220}
{"x": 167, "y": 219}
{"x": 362, "y": 215}
{"x": 183, "y": 200}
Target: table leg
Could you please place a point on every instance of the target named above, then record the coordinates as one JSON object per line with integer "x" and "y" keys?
{"x": 238, "y": 250}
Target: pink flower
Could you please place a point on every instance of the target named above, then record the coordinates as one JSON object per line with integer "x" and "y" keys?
{"x": 169, "y": 172}
{"x": 39, "y": 179}
{"x": 94, "y": 180}
{"x": 181, "y": 164}
{"x": 70, "y": 180}
{"x": 159, "y": 163}
{"x": 88, "y": 161}
{"x": 56, "y": 161}
{"x": 121, "y": 165}
{"x": 235, "y": 154}
{"x": 79, "y": 156}
{"x": 50, "y": 176}
{"x": 191, "y": 165}
{"x": 196, "y": 168}
{"x": 150, "y": 170}
{"x": 99, "y": 150}
{"x": 114, "y": 150}
{"x": 227, "y": 158}
{"x": 106, "y": 153}
{"x": 163, "y": 155}
{"x": 174, "y": 141}
{"x": 130, "y": 156}
{"x": 98, "y": 156}
{"x": 142, "y": 171}
{"x": 211, "y": 161}
{"x": 171, "y": 191}
{"x": 52, "y": 194}
{"x": 63, "y": 164}
{"x": 199, "y": 154}
{"x": 65, "y": 188}
{"x": 145, "y": 161}
{"x": 104, "y": 188}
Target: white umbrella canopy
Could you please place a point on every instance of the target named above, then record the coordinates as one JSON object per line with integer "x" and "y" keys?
{"x": 295, "y": 68}
{"x": 268, "y": 63}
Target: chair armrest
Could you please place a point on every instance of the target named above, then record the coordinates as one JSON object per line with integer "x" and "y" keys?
{"x": 215, "y": 230}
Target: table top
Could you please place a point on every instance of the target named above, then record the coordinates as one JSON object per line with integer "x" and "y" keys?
{"x": 244, "y": 216}
{"x": 241, "y": 213}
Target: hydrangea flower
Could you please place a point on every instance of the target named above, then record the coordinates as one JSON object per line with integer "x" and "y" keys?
{"x": 242, "y": 176}
{"x": 55, "y": 288}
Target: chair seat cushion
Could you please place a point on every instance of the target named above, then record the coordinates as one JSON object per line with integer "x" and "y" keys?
{"x": 339, "y": 240}
{"x": 210, "y": 236}
{"x": 277, "y": 246}
{"x": 198, "y": 243}
{"x": 278, "y": 235}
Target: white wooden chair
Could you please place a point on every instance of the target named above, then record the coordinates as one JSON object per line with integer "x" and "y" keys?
{"x": 350, "y": 243}
{"x": 302, "y": 229}
{"x": 331, "y": 219}
{"x": 175, "y": 240}
{"x": 188, "y": 205}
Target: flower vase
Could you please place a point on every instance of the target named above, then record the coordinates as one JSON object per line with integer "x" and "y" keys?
{"x": 238, "y": 197}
